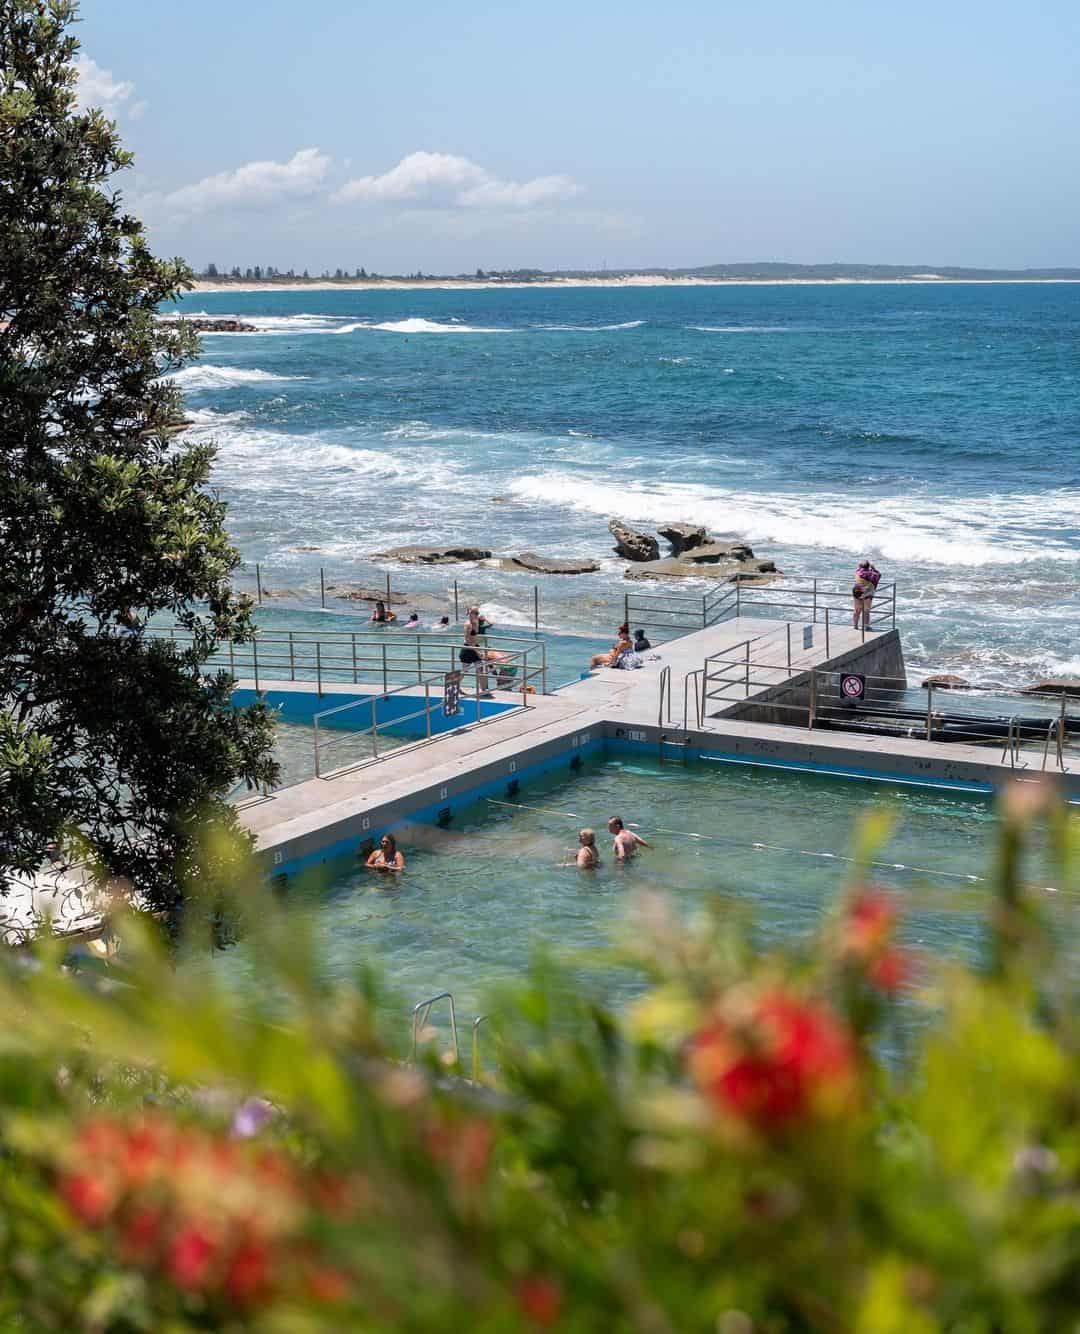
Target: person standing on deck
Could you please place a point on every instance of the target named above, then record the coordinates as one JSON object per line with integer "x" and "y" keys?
{"x": 867, "y": 577}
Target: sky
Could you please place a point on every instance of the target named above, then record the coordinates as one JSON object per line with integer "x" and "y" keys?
{"x": 446, "y": 138}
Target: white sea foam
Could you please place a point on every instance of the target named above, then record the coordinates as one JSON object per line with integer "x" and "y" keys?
{"x": 588, "y": 328}
{"x": 501, "y": 616}
{"x": 201, "y": 376}
{"x": 741, "y": 328}
{"x": 998, "y": 530}
{"x": 419, "y": 326}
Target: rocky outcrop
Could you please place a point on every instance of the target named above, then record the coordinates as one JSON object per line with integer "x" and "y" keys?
{"x": 632, "y": 545}
{"x": 946, "y": 681}
{"x": 718, "y": 552}
{"x": 1054, "y": 685}
{"x": 416, "y": 555}
{"x": 683, "y": 536}
{"x": 529, "y": 560}
{"x": 202, "y": 324}
{"x": 673, "y": 567}
{"x": 354, "y": 593}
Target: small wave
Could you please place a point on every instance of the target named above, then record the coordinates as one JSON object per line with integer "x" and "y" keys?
{"x": 225, "y": 377}
{"x": 418, "y": 326}
{"x": 588, "y": 328}
{"x": 741, "y": 328}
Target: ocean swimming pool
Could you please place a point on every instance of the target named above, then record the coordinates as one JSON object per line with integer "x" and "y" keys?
{"x": 480, "y": 897}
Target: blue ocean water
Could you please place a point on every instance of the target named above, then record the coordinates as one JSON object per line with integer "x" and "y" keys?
{"x": 933, "y": 427}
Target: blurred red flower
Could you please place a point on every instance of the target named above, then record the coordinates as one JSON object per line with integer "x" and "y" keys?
{"x": 782, "y": 1061}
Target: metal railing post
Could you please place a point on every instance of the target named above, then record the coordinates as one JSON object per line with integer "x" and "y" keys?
{"x": 811, "y": 712}
{"x": 292, "y": 658}
{"x": 457, "y": 616}
{"x": 704, "y": 611}
{"x": 738, "y": 599}
{"x": 322, "y": 588}
{"x": 388, "y": 603}
{"x": 930, "y": 711}
{"x": 258, "y": 582}
{"x": 427, "y": 706}
{"x": 419, "y": 664}
{"x": 815, "y": 602}
{"x": 536, "y": 607}
{"x": 747, "y": 694}
{"x": 626, "y": 608}
{"x": 384, "y": 678}
{"x": 318, "y": 669}
{"x": 315, "y": 734}
{"x": 543, "y": 667}
{"x": 255, "y": 662}
{"x": 789, "y": 648}
{"x": 232, "y": 660}
{"x": 355, "y": 676}
{"x": 828, "y": 651}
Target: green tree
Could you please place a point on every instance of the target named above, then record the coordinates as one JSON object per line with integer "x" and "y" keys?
{"x": 105, "y": 516}
{"x": 211, "y": 270}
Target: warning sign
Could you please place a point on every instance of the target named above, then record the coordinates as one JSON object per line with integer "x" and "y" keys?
{"x": 853, "y": 686}
{"x": 451, "y": 694}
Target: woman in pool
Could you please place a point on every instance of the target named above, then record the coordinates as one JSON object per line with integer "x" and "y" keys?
{"x": 623, "y": 644}
{"x": 862, "y": 594}
{"x": 588, "y": 858}
{"x": 386, "y": 856}
{"x": 382, "y": 615}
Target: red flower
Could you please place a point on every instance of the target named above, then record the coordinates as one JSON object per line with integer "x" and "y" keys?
{"x": 868, "y": 929}
{"x": 88, "y": 1197}
{"x": 328, "y": 1285}
{"x": 190, "y": 1257}
{"x": 140, "y": 1236}
{"x": 248, "y": 1272}
{"x": 540, "y": 1298}
{"x": 787, "y": 1060}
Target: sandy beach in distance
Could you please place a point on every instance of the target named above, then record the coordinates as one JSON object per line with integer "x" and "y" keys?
{"x": 629, "y": 280}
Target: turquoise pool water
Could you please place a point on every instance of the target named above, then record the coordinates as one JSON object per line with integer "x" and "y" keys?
{"x": 478, "y": 898}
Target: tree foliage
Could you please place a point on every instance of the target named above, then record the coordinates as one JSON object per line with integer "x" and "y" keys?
{"x": 106, "y": 518}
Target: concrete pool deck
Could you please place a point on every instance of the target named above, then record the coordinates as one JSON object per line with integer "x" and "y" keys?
{"x": 323, "y": 819}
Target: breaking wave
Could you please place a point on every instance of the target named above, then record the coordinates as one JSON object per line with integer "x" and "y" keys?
{"x": 226, "y": 377}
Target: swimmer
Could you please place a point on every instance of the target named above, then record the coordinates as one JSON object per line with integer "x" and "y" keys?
{"x": 626, "y": 841}
{"x": 386, "y": 856}
{"x": 588, "y": 858}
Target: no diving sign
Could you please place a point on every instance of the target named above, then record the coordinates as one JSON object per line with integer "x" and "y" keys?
{"x": 853, "y": 686}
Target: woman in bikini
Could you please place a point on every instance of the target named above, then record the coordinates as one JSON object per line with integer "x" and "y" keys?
{"x": 862, "y": 594}
{"x": 623, "y": 644}
{"x": 588, "y": 857}
{"x": 382, "y": 615}
{"x": 386, "y": 856}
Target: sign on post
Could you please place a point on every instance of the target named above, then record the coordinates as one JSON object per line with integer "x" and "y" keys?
{"x": 808, "y": 636}
{"x": 853, "y": 687}
{"x": 451, "y": 694}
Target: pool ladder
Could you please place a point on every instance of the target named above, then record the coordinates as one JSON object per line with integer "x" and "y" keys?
{"x": 452, "y": 1055}
{"x": 675, "y": 743}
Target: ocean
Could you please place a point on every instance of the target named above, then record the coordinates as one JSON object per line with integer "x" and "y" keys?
{"x": 934, "y": 428}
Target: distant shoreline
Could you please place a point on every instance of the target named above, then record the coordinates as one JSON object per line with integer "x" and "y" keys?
{"x": 632, "y": 280}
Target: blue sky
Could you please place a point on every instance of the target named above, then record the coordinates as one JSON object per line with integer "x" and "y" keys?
{"x": 567, "y": 135}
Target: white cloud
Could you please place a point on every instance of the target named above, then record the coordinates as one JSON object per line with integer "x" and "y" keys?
{"x": 253, "y": 184}
{"x": 96, "y": 87}
{"x": 446, "y": 180}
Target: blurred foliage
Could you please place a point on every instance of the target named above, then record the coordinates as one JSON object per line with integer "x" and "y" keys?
{"x": 750, "y": 1148}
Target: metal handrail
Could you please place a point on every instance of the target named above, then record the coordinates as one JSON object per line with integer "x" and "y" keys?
{"x": 480, "y": 1018}
{"x": 418, "y": 1022}
{"x": 665, "y": 685}
{"x": 698, "y": 701}
{"x": 346, "y": 655}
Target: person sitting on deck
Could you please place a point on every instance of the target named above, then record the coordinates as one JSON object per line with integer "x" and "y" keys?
{"x": 626, "y": 841}
{"x": 641, "y": 644}
{"x": 588, "y": 858}
{"x": 386, "y": 856}
{"x": 623, "y": 644}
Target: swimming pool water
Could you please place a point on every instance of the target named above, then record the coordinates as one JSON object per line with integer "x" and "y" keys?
{"x": 478, "y": 898}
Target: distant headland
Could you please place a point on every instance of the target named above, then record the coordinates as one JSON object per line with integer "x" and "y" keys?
{"x": 257, "y": 277}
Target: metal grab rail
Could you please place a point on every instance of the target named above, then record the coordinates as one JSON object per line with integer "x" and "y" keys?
{"x": 665, "y": 689}
{"x": 698, "y": 700}
{"x": 1056, "y": 729}
{"x": 420, "y": 1015}
{"x": 351, "y": 655}
{"x": 476, "y": 1068}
